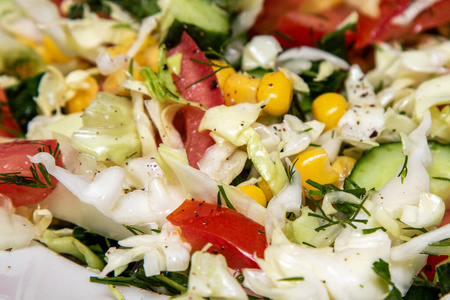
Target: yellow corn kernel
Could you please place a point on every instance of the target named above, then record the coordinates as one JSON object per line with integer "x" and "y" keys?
{"x": 224, "y": 73}
{"x": 53, "y": 53}
{"x": 329, "y": 108}
{"x": 278, "y": 88}
{"x": 116, "y": 50}
{"x": 46, "y": 49}
{"x": 264, "y": 186}
{"x": 83, "y": 97}
{"x": 343, "y": 165}
{"x": 240, "y": 88}
{"x": 255, "y": 192}
{"x": 113, "y": 83}
{"x": 314, "y": 164}
{"x": 149, "y": 57}
{"x": 148, "y": 53}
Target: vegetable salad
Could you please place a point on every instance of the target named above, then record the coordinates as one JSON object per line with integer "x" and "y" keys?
{"x": 231, "y": 149}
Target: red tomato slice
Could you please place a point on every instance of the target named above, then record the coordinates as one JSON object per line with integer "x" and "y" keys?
{"x": 196, "y": 142}
{"x": 381, "y": 29}
{"x": 436, "y": 15}
{"x": 8, "y": 125}
{"x": 370, "y": 30}
{"x": 13, "y": 158}
{"x": 206, "y": 92}
{"x": 306, "y": 29}
{"x": 271, "y": 13}
{"x": 231, "y": 234}
{"x": 430, "y": 268}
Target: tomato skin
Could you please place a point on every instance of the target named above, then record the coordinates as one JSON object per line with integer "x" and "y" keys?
{"x": 13, "y": 158}
{"x": 271, "y": 13}
{"x": 206, "y": 91}
{"x": 231, "y": 234}
{"x": 381, "y": 29}
{"x": 445, "y": 218}
{"x": 7, "y": 119}
{"x": 435, "y": 16}
{"x": 370, "y": 30}
{"x": 306, "y": 29}
{"x": 196, "y": 142}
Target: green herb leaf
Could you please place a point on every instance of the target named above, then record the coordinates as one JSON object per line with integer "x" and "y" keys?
{"x": 21, "y": 100}
{"x": 133, "y": 230}
{"x": 219, "y": 68}
{"x": 442, "y": 243}
{"x": 94, "y": 241}
{"x": 302, "y": 103}
{"x": 372, "y": 230}
{"x": 404, "y": 170}
{"x": 416, "y": 292}
{"x": 382, "y": 269}
{"x": 139, "y": 9}
{"x": 174, "y": 282}
{"x": 443, "y": 273}
{"x": 161, "y": 86}
{"x": 291, "y": 170}
{"x": 225, "y": 197}
{"x": 298, "y": 278}
{"x": 442, "y": 178}
{"x": 335, "y": 42}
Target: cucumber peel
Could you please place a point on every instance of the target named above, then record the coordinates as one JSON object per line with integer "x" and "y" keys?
{"x": 204, "y": 21}
{"x": 381, "y": 163}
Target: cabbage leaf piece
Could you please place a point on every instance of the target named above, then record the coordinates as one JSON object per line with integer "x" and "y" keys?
{"x": 210, "y": 277}
{"x": 109, "y": 132}
{"x": 234, "y": 125}
{"x": 291, "y": 271}
{"x": 17, "y": 231}
{"x": 164, "y": 251}
{"x": 105, "y": 193}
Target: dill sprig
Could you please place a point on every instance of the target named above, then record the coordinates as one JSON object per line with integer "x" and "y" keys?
{"x": 442, "y": 178}
{"x": 297, "y": 278}
{"x": 219, "y": 68}
{"x": 34, "y": 180}
{"x": 221, "y": 194}
{"x": 133, "y": 230}
{"x": 404, "y": 170}
{"x": 349, "y": 210}
{"x": 210, "y": 63}
{"x": 421, "y": 229}
{"x": 291, "y": 171}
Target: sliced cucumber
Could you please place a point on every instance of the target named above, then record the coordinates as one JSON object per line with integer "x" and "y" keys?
{"x": 204, "y": 21}
{"x": 381, "y": 163}
{"x": 440, "y": 169}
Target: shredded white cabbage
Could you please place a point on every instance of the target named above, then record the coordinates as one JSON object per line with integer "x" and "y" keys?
{"x": 209, "y": 276}
{"x": 309, "y": 54}
{"x": 233, "y": 124}
{"x": 409, "y": 197}
{"x": 116, "y": 174}
{"x": 164, "y": 251}
{"x": 364, "y": 119}
{"x": 321, "y": 269}
{"x": 260, "y": 52}
{"x": 16, "y": 231}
